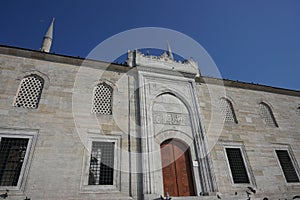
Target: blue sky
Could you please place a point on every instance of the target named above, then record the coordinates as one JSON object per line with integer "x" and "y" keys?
{"x": 253, "y": 41}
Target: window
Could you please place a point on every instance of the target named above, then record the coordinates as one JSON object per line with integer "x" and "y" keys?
{"x": 101, "y": 171}
{"x": 227, "y": 111}
{"x": 287, "y": 166}
{"x": 12, "y": 154}
{"x": 237, "y": 165}
{"x": 101, "y": 163}
{"x": 267, "y": 115}
{"x": 15, "y": 153}
{"x": 29, "y": 92}
{"x": 102, "y": 101}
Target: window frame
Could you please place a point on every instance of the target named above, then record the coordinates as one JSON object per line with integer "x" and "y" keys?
{"x": 294, "y": 162}
{"x": 249, "y": 172}
{"x": 39, "y": 95}
{"x": 31, "y": 135}
{"x": 111, "y": 88}
{"x": 270, "y": 113}
{"x": 115, "y": 187}
{"x": 228, "y": 103}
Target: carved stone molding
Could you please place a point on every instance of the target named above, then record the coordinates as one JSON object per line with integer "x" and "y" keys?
{"x": 164, "y": 61}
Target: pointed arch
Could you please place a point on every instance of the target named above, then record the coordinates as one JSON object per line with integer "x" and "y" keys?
{"x": 102, "y": 99}
{"x": 44, "y": 76}
{"x": 29, "y": 92}
{"x": 267, "y": 114}
{"x": 227, "y": 110}
{"x": 173, "y": 93}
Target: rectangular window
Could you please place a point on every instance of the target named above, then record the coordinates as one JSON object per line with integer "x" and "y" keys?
{"x": 237, "y": 165}
{"x": 16, "y": 148}
{"x": 287, "y": 166}
{"x": 12, "y": 154}
{"x": 101, "y": 171}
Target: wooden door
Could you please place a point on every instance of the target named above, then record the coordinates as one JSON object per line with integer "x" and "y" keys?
{"x": 177, "y": 174}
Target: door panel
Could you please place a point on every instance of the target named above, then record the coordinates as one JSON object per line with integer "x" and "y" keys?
{"x": 177, "y": 175}
{"x": 170, "y": 185}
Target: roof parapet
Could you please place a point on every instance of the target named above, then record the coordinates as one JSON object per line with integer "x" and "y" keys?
{"x": 164, "y": 61}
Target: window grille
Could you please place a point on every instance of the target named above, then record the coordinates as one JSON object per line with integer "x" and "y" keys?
{"x": 237, "y": 165}
{"x": 287, "y": 166}
{"x": 30, "y": 91}
{"x": 227, "y": 111}
{"x": 101, "y": 163}
{"x": 267, "y": 115}
{"x": 102, "y": 102}
{"x": 12, "y": 154}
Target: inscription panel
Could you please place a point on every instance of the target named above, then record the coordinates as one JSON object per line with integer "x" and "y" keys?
{"x": 171, "y": 118}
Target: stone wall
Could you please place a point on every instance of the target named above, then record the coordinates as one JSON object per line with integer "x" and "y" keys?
{"x": 64, "y": 124}
{"x": 259, "y": 140}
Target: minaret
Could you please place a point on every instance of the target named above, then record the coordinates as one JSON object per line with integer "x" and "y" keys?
{"x": 47, "y": 41}
{"x": 170, "y": 54}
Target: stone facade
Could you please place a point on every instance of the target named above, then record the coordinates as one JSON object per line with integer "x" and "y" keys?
{"x": 153, "y": 100}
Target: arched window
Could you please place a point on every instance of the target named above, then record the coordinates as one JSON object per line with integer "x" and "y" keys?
{"x": 267, "y": 115}
{"x": 102, "y": 102}
{"x": 227, "y": 111}
{"x": 30, "y": 91}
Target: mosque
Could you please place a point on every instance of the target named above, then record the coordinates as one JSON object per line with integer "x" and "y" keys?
{"x": 153, "y": 128}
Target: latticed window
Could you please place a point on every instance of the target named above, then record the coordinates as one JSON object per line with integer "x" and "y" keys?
{"x": 237, "y": 165}
{"x": 102, "y": 102}
{"x": 30, "y": 91}
{"x": 227, "y": 111}
{"x": 267, "y": 115}
{"x": 287, "y": 166}
{"x": 101, "y": 164}
{"x": 12, "y": 155}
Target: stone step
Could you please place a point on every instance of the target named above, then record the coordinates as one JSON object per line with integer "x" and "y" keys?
{"x": 233, "y": 197}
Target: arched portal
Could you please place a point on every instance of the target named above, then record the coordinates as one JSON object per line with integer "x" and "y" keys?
{"x": 176, "y": 168}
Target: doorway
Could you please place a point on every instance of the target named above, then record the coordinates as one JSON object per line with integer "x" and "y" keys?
{"x": 176, "y": 168}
